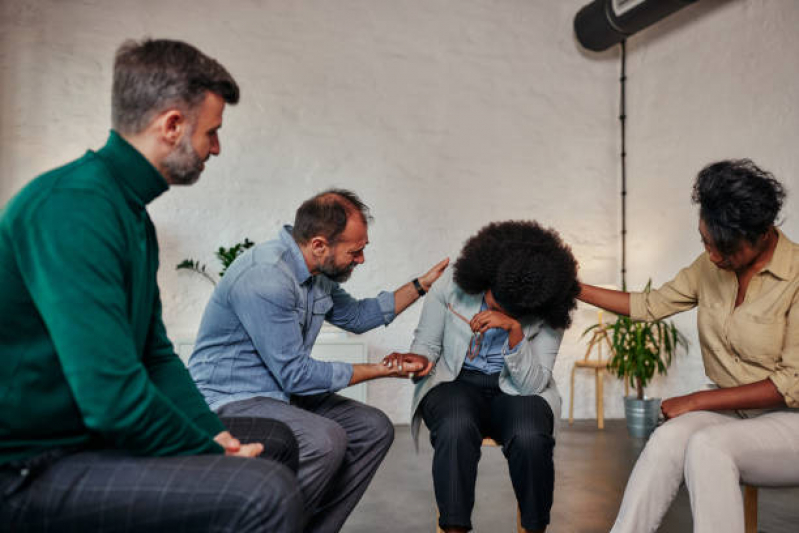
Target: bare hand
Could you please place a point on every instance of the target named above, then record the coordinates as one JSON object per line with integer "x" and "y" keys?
{"x": 407, "y": 365}
{"x": 679, "y": 405}
{"x": 427, "y": 280}
{"x": 233, "y": 447}
{"x": 488, "y": 319}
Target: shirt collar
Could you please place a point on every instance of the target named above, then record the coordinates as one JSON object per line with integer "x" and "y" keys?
{"x": 142, "y": 183}
{"x": 297, "y": 263}
{"x": 780, "y": 263}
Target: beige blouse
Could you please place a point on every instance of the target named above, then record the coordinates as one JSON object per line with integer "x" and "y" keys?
{"x": 757, "y": 340}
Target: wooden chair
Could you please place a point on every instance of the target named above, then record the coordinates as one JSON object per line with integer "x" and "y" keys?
{"x": 599, "y": 364}
{"x": 750, "y": 509}
{"x": 519, "y": 528}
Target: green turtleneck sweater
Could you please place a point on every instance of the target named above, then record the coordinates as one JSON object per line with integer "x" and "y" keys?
{"x": 84, "y": 356}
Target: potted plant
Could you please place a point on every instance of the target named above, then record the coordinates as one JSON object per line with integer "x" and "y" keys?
{"x": 226, "y": 256}
{"x": 640, "y": 349}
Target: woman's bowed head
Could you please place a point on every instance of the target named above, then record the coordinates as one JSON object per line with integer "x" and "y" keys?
{"x": 524, "y": 270}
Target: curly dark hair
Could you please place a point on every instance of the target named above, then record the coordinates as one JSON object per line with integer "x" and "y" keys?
{"x": 737, "y": 200}
{"x": 529, "y": 270}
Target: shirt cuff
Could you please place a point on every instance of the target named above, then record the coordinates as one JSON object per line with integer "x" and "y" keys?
{"x": 638, "y": 306}
{"x": 341, "y": 376}
{"x": 787, "y": 383}
{"x": 507, "y": 350}
{"x": 386, "y": 302}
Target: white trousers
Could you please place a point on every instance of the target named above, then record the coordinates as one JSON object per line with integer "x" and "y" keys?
{"x": 712, "y": 453}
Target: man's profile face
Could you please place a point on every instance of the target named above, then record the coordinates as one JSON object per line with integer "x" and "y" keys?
{"x": 347, "y": 252}
{"x": 201, "y": 140}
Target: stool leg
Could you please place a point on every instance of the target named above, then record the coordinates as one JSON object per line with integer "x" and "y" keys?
{"x": 519, "y": 528}
{"x": 600, "y": 398}
{"x": 750, "y": 509}
{"x": 438, "y": 515}
{"x": 571, "y": 398}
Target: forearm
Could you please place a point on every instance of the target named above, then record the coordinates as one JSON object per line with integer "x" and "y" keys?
{"x": 515, "y": 336}
{"x": 405, "y": 296}
{"x": 759, "y": 395}
{"x": 614, "y": 301}
{"x": 366, "y": 371}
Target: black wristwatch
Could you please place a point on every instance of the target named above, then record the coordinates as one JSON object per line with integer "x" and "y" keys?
{"x": 418, "y": 286}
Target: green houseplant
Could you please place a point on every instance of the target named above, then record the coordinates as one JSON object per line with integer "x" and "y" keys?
{"x": 639, "y": 350}
{"x": 226, "y": 256}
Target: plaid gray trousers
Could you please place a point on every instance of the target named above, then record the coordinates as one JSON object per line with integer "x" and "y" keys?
{"x": 108, "y": 491}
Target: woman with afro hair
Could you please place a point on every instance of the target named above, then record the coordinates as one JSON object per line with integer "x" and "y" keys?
{"x": 491, "y": 329}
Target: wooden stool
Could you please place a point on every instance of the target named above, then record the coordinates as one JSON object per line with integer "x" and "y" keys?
{"x": 519, "y": 528}
{"x": 750, "y": 509}
{"x": 598, "y": 365}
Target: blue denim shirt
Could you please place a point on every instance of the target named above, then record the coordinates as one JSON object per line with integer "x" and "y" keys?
{"x": 258, "y": 329}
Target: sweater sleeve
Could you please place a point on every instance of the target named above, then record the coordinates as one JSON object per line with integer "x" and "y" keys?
{"x": 170, "y": 376}
{"x": 71, "y": 251}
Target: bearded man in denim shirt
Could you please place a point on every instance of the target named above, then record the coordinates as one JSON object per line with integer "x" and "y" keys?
{"x": 252, "y": 356}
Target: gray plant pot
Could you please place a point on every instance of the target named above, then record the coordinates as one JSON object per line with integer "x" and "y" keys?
{"x": 642, "y": 415}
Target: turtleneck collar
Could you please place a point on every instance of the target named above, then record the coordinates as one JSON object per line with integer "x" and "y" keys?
{"x": 141, "y": 180}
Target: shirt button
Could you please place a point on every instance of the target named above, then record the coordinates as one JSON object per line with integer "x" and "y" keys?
{"x": 737, "y": 360}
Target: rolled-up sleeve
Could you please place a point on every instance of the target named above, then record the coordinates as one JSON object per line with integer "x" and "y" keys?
{"x": 530, "y": 365}
{"x": 679, "y": 294}
{"x": 265, "y": 302}
{"x": 786, "y": 376}
{"x": 359, "y": 316}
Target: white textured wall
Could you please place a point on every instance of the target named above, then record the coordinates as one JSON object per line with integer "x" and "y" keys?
{"x": 442, "y": 114}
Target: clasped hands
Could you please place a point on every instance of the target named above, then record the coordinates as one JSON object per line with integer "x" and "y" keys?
{"x": 407, "y": 365}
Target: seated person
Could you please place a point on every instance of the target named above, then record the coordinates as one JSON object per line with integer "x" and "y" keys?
{"x": 746, "y": 289}
{"x": 253, "y": 351}
{"x": 101, "y": 426}
{"x": 492, "y": 331}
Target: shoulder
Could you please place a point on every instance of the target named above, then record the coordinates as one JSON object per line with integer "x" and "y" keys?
{"x": 263, "y": 273}
{"x": 81, "y": 190}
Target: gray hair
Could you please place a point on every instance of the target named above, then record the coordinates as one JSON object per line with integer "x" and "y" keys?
{"x": 155, "y": 75}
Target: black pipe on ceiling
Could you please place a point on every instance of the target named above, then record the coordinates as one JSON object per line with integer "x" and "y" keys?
{"x": 603, "y": 23}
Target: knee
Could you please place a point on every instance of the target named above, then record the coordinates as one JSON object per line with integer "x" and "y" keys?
{"x": 707, "y": 447}
{"x": 268, "y": 498}
{"x": 531, "y": 443}
{"x": 462, "y": 429}
{"x": 379, "y": 429}
{"x": 283, "y": 447}
{"x": 329, "y": 444}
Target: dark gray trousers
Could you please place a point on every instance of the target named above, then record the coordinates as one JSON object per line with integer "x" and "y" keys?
{"x": 342, "y": 443}
{"x": 108, "y": 491}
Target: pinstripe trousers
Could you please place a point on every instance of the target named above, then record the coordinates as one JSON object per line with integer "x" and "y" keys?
{"x": 109, "y": 491}
{"x": 459, "y": 414}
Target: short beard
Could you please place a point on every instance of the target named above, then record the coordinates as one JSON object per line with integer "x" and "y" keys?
{"x": 334, "y": 273}
{"x": 183, "y": 166}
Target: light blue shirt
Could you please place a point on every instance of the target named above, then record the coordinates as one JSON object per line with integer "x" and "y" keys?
{"x": 490, "y": 358}
{"x": 260, "y": 325}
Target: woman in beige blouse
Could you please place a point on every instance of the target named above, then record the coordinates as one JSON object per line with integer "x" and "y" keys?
{"x": 746, "y": 288}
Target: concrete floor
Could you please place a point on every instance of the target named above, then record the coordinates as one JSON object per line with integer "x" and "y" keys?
{"x": 592, "y": 467}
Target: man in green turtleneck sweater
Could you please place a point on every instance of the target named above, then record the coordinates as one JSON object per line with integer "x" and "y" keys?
{"x": 100, "y": 422}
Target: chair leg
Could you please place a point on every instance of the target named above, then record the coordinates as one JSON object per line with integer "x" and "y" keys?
{"x": 750, "y": 509}
{"x": 519, "y": 528}
{"x": 571, "y": 398}
{"x": 600, "y": 398}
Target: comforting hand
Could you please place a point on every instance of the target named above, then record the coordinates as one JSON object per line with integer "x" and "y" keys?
{"x": 679, "y": 405}
{"x": 427, "y": 280}
{"x": 407, "y": 365}
{"x": 485, "y": 320}
{"x": 233, "y": 447}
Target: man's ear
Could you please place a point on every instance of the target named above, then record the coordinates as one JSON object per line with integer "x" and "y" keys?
{"x": 171, "y": 126}
{"x": 319, "y": 246}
